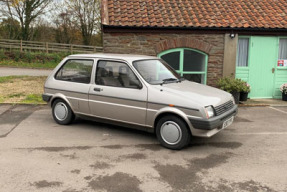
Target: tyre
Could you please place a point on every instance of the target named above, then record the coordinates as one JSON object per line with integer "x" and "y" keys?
{"x": 172, "y": 132}
{"x": 62, "y": 112}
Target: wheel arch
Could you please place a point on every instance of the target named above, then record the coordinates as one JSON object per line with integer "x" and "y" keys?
{"x": 173, "y": 112}
{"x": 60, "y": 96}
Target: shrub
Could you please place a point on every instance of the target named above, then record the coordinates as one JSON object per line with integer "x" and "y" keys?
{"x": 29, "y": 57}
{"x": 17, "y": 56}
{"x": 245, "y": 87}
{"x": 230, "y": 84}
{"x": 283, "y": 88}
{"x": 3, "y": 55}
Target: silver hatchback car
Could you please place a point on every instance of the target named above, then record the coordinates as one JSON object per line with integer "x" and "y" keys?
{"x": 141, "y": 92}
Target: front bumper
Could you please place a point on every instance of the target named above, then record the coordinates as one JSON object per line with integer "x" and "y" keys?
{"x": 214, "y": 122}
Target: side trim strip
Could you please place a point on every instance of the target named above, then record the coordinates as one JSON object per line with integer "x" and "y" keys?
{"x": 64, "y": 90}
{"x": 76, "y": 98}
{"x": 174, "y": 106}
{"x": 113, "y": 119}
{"x": 121, "y": 105}
{"x": 119, "y": 98}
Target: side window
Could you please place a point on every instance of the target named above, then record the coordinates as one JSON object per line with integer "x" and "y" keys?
{"x": 283, "y": 48}
{"x": 116, "y": 74}
{"x": 76, "y": 71}
{"x": 242, "y": 52}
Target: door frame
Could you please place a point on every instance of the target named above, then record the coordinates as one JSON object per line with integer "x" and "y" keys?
{"x": 246, "y": 70}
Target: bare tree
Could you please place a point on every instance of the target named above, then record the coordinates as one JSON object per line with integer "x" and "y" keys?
{"x": 24, "y": 11}
{"x": 86, "y": 15}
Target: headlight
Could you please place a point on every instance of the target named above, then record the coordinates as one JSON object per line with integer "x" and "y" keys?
{"x": 232, "y": 99}
{"x": 209, "y": 112}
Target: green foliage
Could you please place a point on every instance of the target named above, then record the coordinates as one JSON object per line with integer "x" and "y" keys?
{"x": 283, "y": 88}
{"x": 245, "y": 86}
{"x": 33, "y": 99}
{"x": 10, "y": 78}
{"x": 31, "y": 59}
{"x": 2, "y": 55}
{"x": 230, "y": 85}
{"x": 17, "y": 55}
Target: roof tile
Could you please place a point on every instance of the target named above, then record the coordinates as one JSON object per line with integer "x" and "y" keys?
{"x": 198, "y": 13}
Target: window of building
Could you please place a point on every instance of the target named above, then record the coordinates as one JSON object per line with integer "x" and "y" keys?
{"x": 283, "y": 48}
{"x": 242, "y": 52}
{"x": 116, "y": 74}
{"x": 78, "y": 71}
{"x": 190, "y": 64}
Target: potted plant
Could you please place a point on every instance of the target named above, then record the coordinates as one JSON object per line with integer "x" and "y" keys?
{"x": 245, "y": 89}
{"x": 231, "y": 85}
{"x": 283, "y": 89}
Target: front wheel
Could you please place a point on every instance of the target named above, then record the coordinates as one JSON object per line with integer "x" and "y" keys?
{"x": 172, "y": 132}
{"x": 62, "y": 112}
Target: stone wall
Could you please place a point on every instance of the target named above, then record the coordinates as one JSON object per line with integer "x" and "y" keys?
{"x": 154, "y": 43}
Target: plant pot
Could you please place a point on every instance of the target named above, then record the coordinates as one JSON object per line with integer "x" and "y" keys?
{"x": 284, "y": 97}
{"x": 236, "y": 96}
{"x": 243, "y": 96}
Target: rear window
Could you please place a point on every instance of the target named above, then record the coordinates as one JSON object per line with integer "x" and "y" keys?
{"x": 78, "y": 71}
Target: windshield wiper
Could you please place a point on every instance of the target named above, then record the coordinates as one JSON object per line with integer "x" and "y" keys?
{"x": 169, "y": 80}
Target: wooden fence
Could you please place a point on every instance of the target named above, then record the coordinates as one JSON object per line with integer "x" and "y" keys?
{"x": 46, "y": 47}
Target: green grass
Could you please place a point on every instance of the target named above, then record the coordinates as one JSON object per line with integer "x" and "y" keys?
{"x": 30, "y": 59}
{"x": 33, "y": 99}
{"x": 2, "y": 99}
{"x": 16, "y": 95}
{"x": 10, "y": 78}
{"x": 22, "y": 89}
{"x": 23, "y": 64}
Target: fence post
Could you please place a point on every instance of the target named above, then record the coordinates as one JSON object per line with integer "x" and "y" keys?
{"x": 71, "y": 48}
{"x": 21, "y": 44}
{"x": 47, "y": 47}
{"x": 95, "y": 49}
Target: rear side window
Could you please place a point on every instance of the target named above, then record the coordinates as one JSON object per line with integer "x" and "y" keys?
{"x": 78, "y": 71}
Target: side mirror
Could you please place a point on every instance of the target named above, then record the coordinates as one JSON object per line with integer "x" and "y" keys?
{"x": 139, "y": 85}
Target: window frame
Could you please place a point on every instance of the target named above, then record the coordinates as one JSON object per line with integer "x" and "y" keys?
{"x": 249, "y": 52}
{"x": 79, "y": 59}
{"x": 181, "y": 72}
{"x": 116, "y": 61}
{"x": 283, "y": 37}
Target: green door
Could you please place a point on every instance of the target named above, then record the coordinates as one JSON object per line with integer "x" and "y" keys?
{"x": 263, "y": 57}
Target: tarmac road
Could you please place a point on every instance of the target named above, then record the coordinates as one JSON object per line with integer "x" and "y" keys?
{"x": 39, "y": 155}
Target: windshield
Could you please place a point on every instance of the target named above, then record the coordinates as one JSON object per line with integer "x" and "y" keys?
{"x": 156, "y": 71}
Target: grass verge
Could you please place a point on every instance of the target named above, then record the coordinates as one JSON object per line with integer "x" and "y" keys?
{"x": 23, "y": 64}
{"x": 22, "y": 89}
{"x": 30, "y": 59}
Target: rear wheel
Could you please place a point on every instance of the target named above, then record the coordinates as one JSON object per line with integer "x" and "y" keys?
{"x": 172, "y": 132}
{"x": 62, "y": 112}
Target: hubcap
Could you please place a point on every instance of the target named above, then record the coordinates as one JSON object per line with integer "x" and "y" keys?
{"x": 61, "y": 111}
{"x": 170, "y": 132}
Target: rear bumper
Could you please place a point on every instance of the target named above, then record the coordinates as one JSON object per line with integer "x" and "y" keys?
{"x": 46, "y": 97}
{"x": 214, "y": 122}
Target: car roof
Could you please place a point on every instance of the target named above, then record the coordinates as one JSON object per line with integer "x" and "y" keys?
{"x": 127, "y": 57}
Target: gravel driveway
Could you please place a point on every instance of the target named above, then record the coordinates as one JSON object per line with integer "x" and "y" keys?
{"x": 7, "y": 71}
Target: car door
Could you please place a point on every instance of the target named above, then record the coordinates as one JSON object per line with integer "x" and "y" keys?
{"x": 117, "y": 93}
{"x": 73, "y": 81}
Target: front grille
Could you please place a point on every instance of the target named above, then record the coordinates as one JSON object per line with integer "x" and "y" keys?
{"x": 223, "y": 107}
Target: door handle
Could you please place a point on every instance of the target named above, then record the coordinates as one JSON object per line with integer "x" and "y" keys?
{"x": 98, "y": 89}
{"x": 273, "y": 70}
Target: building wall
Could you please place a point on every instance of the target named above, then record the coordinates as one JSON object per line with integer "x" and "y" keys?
{"x": 154, "y": 43}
